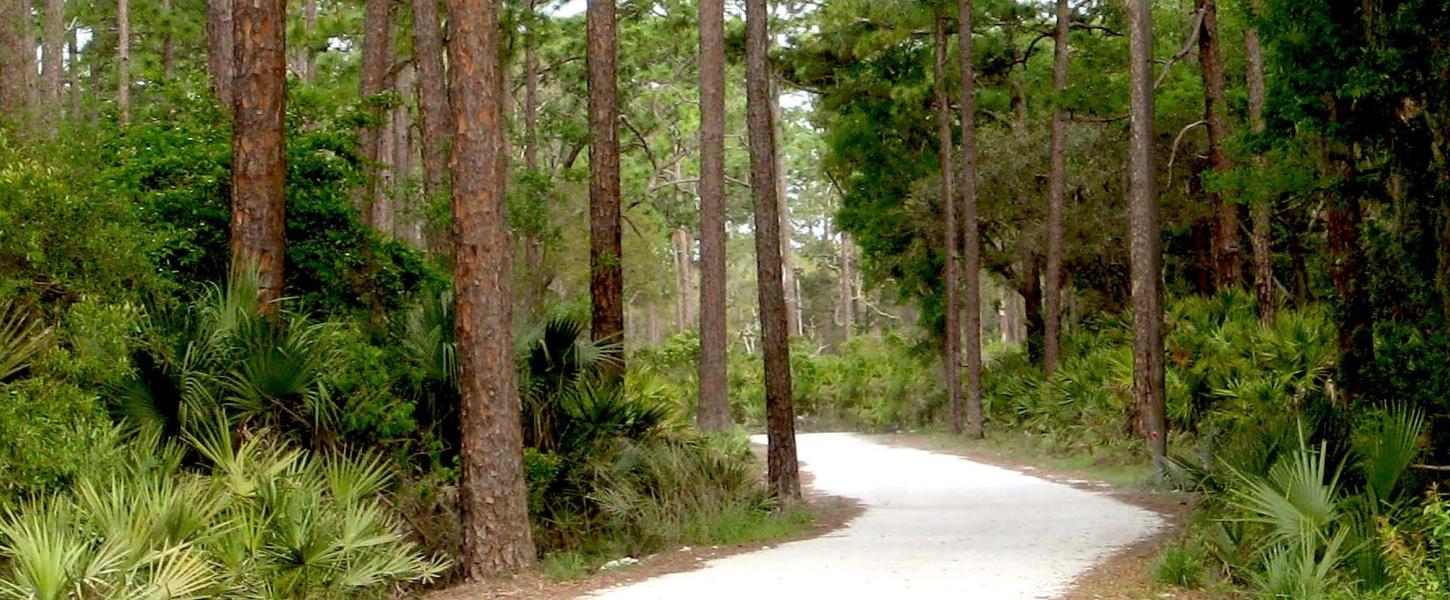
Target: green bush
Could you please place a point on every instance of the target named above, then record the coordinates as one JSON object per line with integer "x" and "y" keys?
{"x": 50, "y": 433}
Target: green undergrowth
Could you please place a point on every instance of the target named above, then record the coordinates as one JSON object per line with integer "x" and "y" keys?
{"x": 1020, "y": 448}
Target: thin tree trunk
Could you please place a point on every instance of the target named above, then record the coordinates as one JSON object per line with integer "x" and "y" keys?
{"x": 783, "y": 471}
{"x": 168, "y": 45}
{"x": 1262, "y": 207}
{"x": 53, "y": 63}
{"x": 682, "y": 247}
{"x": 494, "y": 510}
{"x": 377, "y": 57}
{"x": 435, "y": 118}
{"x": 309, "y": 30}
{"x": 713, "y": 413}
{"x": 1146, "y": 258}
{"x": 123, "y": 60}
{"x": 1032, "y": 307}
{"x": 533, "y": 243}
{"x": 606, "y": 273}
{"x": 407, "y": 218}
{"x": 221, "y": 59}
{"x": 1227, "y": 258}
{"x": 952, "y": 363}
{"x": 787, "y": 255}
{"x": 73, "y": 51}
{"x": 847, "y": 285}
{"x": 1346, "y": 259}
{"x": 971, "y": 237}
{"x": 258, "y": 145}
{"x": 1056, "y": 195}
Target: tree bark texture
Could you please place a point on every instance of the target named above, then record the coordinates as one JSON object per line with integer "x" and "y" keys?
{"x": 1262, "y": 208}
{"x": 783, "y": 472}
{"x": 407, "y": 217}
{"x": 221, "y": 58}
{"x": 1144, "y": 231}
{"x": 952, "y": 359}
{"x": 714, "y": 411}
{"x": 971, "y": 236}
{"x": 259, "y": 167}
{"x": 1056, "y": 195}
{"x": 53, "y": 62}
{"x": 606, "y": 271}
{"x": 13, "y": 96}
{"x": 168, "y": 44}
{"x": 435, "y": 117}
{"x": 377, "y": 58}
{"x": 308, "y": 72}
{"x": 494, "y": 511}
{"x": 1227, "y": 257}
{"x": 123, "y": 60}
{"x": 682, "y": 249}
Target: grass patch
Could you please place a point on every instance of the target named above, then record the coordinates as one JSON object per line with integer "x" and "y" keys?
{"x": 740, "y": 527}
{"x": 1017, "y": 447}
{"x": 567, "y": 565}
{"x": 1179, "y": 566}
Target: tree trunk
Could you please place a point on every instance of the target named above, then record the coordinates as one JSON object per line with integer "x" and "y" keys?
{"x": 782, "y": 188}
{"x": 492, "y": 494}
{"x": 123, "y": 60}
{"x": 168, "y": 46}
{"x": 258, "y": 146}
{"x": 53, "y": 62}
{"x": 1032, "y": 307}
{"x": 682, "y": 249}
{"x": 1056, "y": 195}
{"x": 407, "y": 218}
{"x": 72, "y": 50}
{"x": 308, "y": 72}
{"x": 783, "y": 470}
{"x": 1262, "y": 208}
{"x": 1146, "y": 258}
{"x": 435, "y": 118}
{"x": 12, "y": 63}
{"x": 377, "y": 55}
{"x": 533, "y": 244}
{"x": 971, "y": 266}
{"x": 714, "y": 411}
{"x": 1346, "y": 258}
{"x": 606, "y": 272}
{"x": 952, "y": 363}
{"x": 220, "y": 58}
{"x": 1227, "y": 258}
{"x": 847, "y": 285}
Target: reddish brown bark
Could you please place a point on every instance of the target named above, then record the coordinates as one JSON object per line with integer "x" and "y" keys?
{"x": 258, "y": 150}
{"x": 377, "y": 58}
{"x": 13, "y": 101}
{"x": 1145, "y": 256}
{"x": 606, "y": 272}
{"x": 952, "y": 361}
{"x": 496, "y": 536}
{"x": 1056, "y": 195}
{"x": 714, "y": 410}
{"x": 971, "y": 236}
{"x": 1227, "y": 256}
{"x": 435, "y": 117}
{"x": 221, "y": 58}
{"x": 783, "y": 470}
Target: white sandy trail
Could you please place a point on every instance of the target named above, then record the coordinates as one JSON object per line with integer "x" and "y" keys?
{"x": 934, "y": 526}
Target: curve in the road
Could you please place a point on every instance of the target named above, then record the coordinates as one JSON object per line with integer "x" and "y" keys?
{"x": 934, "y": 527}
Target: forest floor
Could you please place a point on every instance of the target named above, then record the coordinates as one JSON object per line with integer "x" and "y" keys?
{"x": 1002, "y": 524}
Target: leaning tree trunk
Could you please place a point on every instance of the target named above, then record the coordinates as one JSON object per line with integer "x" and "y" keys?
{"x": 377, "y": 58}
{"x": 783, "y": 471}
{"x": 1146, "y": 258}
{"x": 123, "y": 60}
{"x": 258, "y": 145}
{"x": 1226, "y": 254}
{"x": 971, "y": 267}
{"x": 492, "y": 493}
{"x": 435, "y": 118}
{"x": 220, "y": 57}
{"x": 606, "y": 272}
{"x": 714, "y": 410}
{"x": 1262, "y": 207}
{"x": 1056, "y": 196}
{"x": 952, "y": 361}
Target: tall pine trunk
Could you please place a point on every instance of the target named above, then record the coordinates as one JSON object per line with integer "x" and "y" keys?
{"x": 1227, "y": 259}
{"x": 782, "y": 189}
{"x": 1145, "y": 256}
{"x": 1262, "y": 208}
{"x": 435, "y": 117}
{"x": 258, "y": 146}
{"x": 1056, "y": 195}
{"x": 123, "y": 60}
{"x": 783, "y": 472}
{"x": 682, "y": 250}
{"x": 971, "y": 236}
{"x": 53, "y": 60}
{"x": 220, "y": 57}
{"x": 492, "y": 493}
{"x": 952, "y": 361}
{"x": 536, "y": 280}
{"x": 407, "y": 216}
{"x": 606, "y": 271}
{"x": 168, "y": 43}
{"x": 377, "y": 58}
{"x": 308, "y": 72}
{"x": 714, "y": 410}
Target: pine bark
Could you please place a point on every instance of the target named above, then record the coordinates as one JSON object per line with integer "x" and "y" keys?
{"x": 713, "y": 413}
{"x": 407, "y": 217}
{"x": 435, "y": 117}
{"x": 847, "y": 286}
{"x": 1227, "y": 257}
{"x": 13, "y": 95}
{"x": 123, "y": 60}
{"x": 377, "y": 57}
{"x": 494, "y": 511}
{"x": 782, "y": 189}
{"x": 952, "y": 361}
{"x": 221, "y": 57}
{"x": 606, "y": 272}
{"x": 258, "y": 151}
{"x": 1145, "y": 255}
{"x": 783, "y": 473}
{"x": 1262, "y": 208}
{"x": 53, "y": 61}
{"x": 308, "y": 72}
{"x": 971, "y": 236}
{"x": 1056, "y": 194}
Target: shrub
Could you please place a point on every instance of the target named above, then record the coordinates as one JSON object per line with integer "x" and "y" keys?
{"x": 1179, "y": 565}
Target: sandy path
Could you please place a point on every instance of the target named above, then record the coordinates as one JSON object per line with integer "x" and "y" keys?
{"x": 935, "y": 526}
